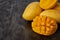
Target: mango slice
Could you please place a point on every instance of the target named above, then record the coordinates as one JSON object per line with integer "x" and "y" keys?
{"x": 44, "y": 25}
{"x": 31, "y": 11}
{"x": 57, "y": 7}
{"x": 47, "y": 4}
{"x": 55, "y": 14}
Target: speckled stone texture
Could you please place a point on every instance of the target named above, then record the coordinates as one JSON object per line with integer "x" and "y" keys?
{"x": 14, "y": 27}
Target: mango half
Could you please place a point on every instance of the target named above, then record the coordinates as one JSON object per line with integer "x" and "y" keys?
{"x": 55, "y": 14}
{"x": 44, "y": 25}
{"x": 47, "y": 4}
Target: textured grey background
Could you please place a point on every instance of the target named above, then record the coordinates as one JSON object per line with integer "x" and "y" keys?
{"x": 14, "y": 27}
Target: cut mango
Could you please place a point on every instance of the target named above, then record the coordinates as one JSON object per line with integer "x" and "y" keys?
{"x": 44, "y": 25}
{"x": 47, "y": 4}
{"x": 55, "y": 14}
{"x": 31, "y": 11}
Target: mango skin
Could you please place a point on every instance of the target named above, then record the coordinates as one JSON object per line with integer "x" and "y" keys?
{"x": 55, "y": 14}
{"x": 31, "y": 11}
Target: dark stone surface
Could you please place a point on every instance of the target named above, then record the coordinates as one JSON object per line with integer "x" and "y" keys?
{"x": 14, "y": 27}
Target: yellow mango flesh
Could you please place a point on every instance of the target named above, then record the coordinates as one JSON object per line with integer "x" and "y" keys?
{"x": 44, "y": 25}
{"x": 31, "y": 11}
{"x": 47, "y": 4}
{"x": 55, "y": 14}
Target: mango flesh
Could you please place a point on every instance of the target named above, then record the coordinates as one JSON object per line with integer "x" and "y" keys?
{"x": 47, "y": 4}
{"x": 44, "y": 25}
{"x": 31, "y": 11}
{"x": 55, "y": 14}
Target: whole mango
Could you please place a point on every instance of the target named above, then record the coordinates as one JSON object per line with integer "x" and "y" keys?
{"x": 31, "y": 11}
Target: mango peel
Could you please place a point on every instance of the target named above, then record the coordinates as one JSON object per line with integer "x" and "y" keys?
{"x": 55, "y": 14}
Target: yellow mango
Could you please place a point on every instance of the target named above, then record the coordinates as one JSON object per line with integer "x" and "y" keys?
{"x": 47, "y": 4}
{"x": 55, "y": 14}
{"x": 44, "y": 25}
{"x": 31, "y": 11}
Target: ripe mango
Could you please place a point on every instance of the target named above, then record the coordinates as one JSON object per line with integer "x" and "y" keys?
{"x": 47, "y": 4}
{"x": 55, "y": 14}
{"x": 44, "y": 25}
{"x": 31, "y": 11}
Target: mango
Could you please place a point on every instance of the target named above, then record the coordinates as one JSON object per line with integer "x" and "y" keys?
{"x": 47, "y": 4}
{"x": 32, "y": 10}
{"x": 44, "y": 25}
{"x": 55, "y": 14}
